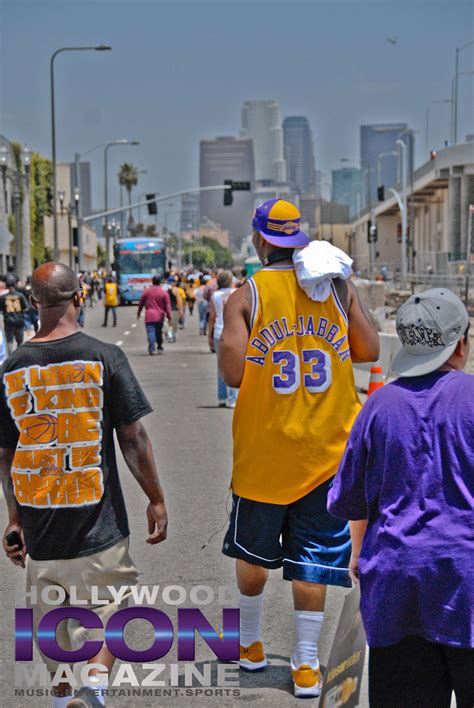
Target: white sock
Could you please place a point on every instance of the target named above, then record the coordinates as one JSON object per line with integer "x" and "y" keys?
{"x": 250, "y": 618}
{"x": 60, "y": 701}
{"x": 308, "y": 627}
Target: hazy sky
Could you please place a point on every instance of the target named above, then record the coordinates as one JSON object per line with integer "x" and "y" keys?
{"x": 180, "y": 70}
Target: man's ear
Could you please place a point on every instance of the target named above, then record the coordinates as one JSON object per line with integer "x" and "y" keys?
{"x": 34, "y": 303}
{"x": 78, "y": 299}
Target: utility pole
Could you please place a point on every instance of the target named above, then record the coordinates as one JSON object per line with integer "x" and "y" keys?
{"x": 17, "y": 205}
{"x": 80, "y": 242}
{"x": 403, "y": 273}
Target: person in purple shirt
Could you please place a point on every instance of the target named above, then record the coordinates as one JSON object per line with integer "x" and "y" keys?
{"x": 406, "y": 483}
{"x": 156, "y": 302}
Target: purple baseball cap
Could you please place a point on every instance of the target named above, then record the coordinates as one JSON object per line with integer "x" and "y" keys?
{"x": 278, "y": 222}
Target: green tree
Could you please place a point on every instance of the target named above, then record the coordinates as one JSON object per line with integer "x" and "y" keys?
{"x": 222, "y": 255}
{"x": 41, "y": 175}
{"x": 128, "y": 178}
{"x": 100, "y": 256}
{"x": 40, "y": 189}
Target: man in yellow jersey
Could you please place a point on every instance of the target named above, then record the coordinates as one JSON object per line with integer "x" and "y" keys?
{"x": 110, "y": 301}
{"x": 292, "y": 359}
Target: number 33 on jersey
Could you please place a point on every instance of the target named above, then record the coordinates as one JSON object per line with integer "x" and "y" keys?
{"x": 298, "y": 387}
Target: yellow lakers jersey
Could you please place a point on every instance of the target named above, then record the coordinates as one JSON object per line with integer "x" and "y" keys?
{"x": 297, "y": 401}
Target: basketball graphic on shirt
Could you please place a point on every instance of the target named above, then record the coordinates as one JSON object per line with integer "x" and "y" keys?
{"x": 78, "y": 371}
{"x": 39, "y": 429}
{"x": 51, "y": 471}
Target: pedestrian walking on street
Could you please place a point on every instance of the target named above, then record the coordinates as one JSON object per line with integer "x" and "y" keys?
{"x": 176, "y": 303}
{"x": 156, "y": 302}
{"x": 406, "y": 483}
{"x": 291, "y": 355}
{"x": 226, "y": 395}
{"x": 62, "y": 397}
{"x": 203, "y": 309}
{"x": 110, "y": 301}
{"x": 13, "y": 305}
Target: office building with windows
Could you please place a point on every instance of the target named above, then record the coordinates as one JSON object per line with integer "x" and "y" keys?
{"x": 221, "y": 159}
{"x": 261, "y": 122}
{"x": 299, "y": 155}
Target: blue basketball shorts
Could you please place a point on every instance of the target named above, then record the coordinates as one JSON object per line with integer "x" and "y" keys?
{"x": 302, "y": 538}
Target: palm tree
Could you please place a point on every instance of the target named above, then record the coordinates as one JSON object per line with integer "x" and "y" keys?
{"x": 128, "y": 178}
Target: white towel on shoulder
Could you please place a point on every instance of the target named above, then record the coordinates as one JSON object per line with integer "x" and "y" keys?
{"x": 317, "y": 264}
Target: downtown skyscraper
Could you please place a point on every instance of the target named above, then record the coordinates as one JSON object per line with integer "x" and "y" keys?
{"x": 261, "y": 121}
{"x": 299, "y": 154}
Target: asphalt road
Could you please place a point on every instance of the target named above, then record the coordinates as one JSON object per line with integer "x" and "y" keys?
{"x": 192, "y": 442}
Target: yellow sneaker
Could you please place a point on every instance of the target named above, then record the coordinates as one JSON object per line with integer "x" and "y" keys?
{"x": 307, "y": 681}
{"x": 252, "y": 658}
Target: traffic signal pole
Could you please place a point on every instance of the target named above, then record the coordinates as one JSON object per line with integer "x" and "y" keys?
{"x": 166, "y": 197}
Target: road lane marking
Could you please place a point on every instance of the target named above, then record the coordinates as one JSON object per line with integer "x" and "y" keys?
{"x": 119, "y": 343}
{"x": 134, "y": 324}
{"x": 127, "y": 332}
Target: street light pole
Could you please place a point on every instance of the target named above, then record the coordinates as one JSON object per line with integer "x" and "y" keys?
{"x": 380, "y": 157}
{"x": 25, "y": 253}
{"x": 99, "y": 48}
{"x": 122, "y": 141}
{"x": 456, "y": 91}
{"x": 402, "y": 145}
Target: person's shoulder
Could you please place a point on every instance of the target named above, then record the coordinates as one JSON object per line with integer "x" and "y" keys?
{"x": 463, "y": 381}
{"x": 96, "y": 346}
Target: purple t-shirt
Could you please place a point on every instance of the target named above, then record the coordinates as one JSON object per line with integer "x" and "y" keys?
{"x": 409, "y": 469}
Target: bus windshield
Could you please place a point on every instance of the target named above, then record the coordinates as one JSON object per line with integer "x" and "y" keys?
{"x": 140, "y": 262}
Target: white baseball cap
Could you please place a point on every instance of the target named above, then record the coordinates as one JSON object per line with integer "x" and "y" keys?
{"x": 429, "y": 326}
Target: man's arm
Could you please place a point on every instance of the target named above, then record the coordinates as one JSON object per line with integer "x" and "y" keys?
{"x": 235, "y": 336}
{"x": 358, "y": 529}
{"x": 167, "y": 307}
{"x": 138, "y": 453}
{"x": 211, "y": 324}
{"x": 24, "y": 303}
{"x": 179, "y": 301}
{"x": 364, "y": 340}
{"x": 6, "y": 459}
{"x": 141, "y": 305}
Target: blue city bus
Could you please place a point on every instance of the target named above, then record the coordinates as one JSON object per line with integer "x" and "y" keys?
{"x": 137, "y": 260}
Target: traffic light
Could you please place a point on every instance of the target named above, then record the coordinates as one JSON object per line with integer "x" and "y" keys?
{"x": 228, "y": 196}
{"x": 399, "y": 232}
{"x": 381, "y": 193}
{"x": 371, "y": 232}
{"x": 152, "y": 206}
{"x": 234, "y": 187}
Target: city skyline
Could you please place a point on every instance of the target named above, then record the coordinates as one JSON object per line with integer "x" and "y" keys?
{"x": 171, "y": 99}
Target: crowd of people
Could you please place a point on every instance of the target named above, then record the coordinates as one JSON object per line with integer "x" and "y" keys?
{"x": 332, "y": 492}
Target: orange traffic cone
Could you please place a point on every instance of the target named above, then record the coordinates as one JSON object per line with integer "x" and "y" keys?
{"x": 376, "y": 379}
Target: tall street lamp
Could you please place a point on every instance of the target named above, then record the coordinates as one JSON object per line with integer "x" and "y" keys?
{"x": 456, "y": 90}
{"x": 99, "y": 48}
{"x": 122, "y": 141}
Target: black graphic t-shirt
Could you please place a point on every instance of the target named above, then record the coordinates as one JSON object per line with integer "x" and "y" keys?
{"x": 13, "y": 304}
{"x": 59, "y": 404}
